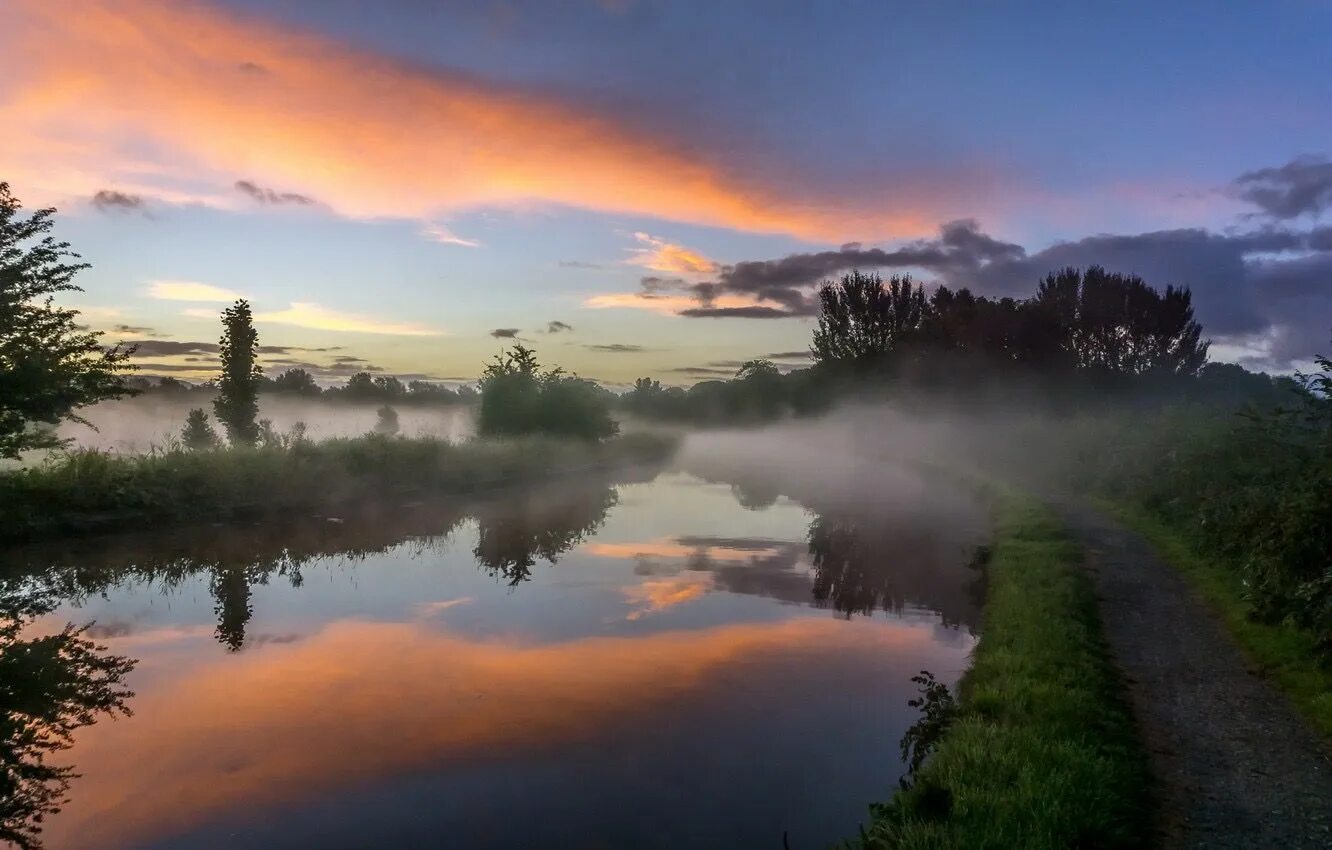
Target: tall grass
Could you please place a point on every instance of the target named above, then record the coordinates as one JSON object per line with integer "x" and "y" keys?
{"x": 88, "y": 490}
{"x": 1042, "y": 752}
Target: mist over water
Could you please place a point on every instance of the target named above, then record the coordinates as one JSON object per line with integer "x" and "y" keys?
{"x": 598, "y": 655}
{"x": 155, "y": 419}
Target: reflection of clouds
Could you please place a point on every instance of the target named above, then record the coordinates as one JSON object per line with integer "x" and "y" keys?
{"x": 658, "y": 595}
{"x": 754, "y": 566}
{"x": 429, "y": 609}
{"x": 360, "y": 701}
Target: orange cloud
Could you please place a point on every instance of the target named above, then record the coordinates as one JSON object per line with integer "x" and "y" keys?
{"x": 179, "y": 100}
{"x": 669, "y": 548}
{"x": 667, "y": 305}
{"x": 660, "y": 255}
{"x": 364, "y": 700}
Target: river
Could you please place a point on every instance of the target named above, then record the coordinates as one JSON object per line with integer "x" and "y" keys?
{"x": 686, "y": 657}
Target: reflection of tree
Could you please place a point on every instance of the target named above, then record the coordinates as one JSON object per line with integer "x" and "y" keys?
{"x": 511, "y": 537}
{"x": 50, "y": 686}
{"x": 231, "y": 594}
{"x": 544, "y": 524}
{"x": 863, "y": 566}
{"x": 233, "y": 561}
{"x": 845, "y": 573}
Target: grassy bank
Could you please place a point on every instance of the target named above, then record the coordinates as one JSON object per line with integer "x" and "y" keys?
{"x": 88, "y": 490}
{"x": 1042, "y": 752}
{"x": 1288, "y": 655}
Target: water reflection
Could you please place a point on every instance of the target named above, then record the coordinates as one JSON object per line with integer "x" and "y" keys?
{"x": 50, "y": 685}
{"x": 513, "y": 534}
{"x": 412, "y": 667}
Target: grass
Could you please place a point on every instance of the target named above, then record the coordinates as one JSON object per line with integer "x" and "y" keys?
{"x": 1043, "y": 752}
{"x": 1287, "y": 655}
{"x": 88, "y": 490}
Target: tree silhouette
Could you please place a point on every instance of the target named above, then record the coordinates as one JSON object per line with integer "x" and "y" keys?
{"x": 49, "y": 365}
{"x": 198, "y": 434}
{"x": 295, "y": 382}
{"x": 237, "y": 403}
{"x": 862, "y": 320}
{"x": 387, "y": 422}
{"x": 1117, "y": 323}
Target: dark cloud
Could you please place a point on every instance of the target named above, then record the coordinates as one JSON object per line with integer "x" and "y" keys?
{"x": 743, "y": 313}
{"x": 616, "y": 348}
{"x": 653, "y": 284}
{"x": 505, "y": 333}
{"x": 322, "y": 370}
{"x": 109, "y": 200}
{"x": 168, "y": 348}
{"x": 1267, "y": 287}
{"x": 1302, "y": 186}
{"x": 264, "y": 195}
{"x": 113, "y": 629}
{"x": 579, "y": 264}
{"x": 136, "y": 330}
{"x": 789, "y": 355}
{"x": 252, "y": 68}
{"x": 157, "y": 369}
{"x": 557, "y": 327}
{"x": 702, "y": 371}
{"x": 786, "y": 282}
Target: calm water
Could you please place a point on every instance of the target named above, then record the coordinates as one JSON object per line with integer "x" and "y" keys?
{"x": 674, "y": 662}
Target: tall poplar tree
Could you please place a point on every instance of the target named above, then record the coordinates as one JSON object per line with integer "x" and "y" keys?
{"x": 237, "y": 402}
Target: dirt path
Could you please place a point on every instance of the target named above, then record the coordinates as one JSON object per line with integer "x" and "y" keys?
{"x": 1235, "y": 765}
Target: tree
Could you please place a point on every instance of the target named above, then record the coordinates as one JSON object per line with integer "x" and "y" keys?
{"x": 295, "y": 382}
{"x": 518, "y": 397}
{"x": 1117, "y": 323}
{"x": 237, "y": 403}
{"x": 198, "y": 433}
{"x": 862, "y": 321}
{"x": 50, "y": 366}
{"x": 387, "y": 423}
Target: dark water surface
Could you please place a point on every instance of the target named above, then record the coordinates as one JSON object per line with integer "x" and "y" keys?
{"x": 674, "y": 662}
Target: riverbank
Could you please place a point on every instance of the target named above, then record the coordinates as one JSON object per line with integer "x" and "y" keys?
{"x": 88, "y": 491}
{"x": 1286, "y": 655}
{"x": 1043, "y": 751}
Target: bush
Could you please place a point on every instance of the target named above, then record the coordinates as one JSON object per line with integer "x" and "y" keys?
{"x": 519, "y": 398}
{"x": 1254, "y": 489}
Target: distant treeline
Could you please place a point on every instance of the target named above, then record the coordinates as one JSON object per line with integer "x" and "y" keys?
{"x": 300, "y": 383}
{"x": 1083, "y": 334}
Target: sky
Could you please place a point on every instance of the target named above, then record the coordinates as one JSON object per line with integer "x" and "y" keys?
{"x": 646, "y": 188}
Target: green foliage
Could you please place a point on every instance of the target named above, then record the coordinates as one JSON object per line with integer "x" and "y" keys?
{"x": 1040, "y": 752}
{"x": 1254, "y": 490}
{"x": 88, "y": 490}
{"x": 518, "y": 398}
{"x": 198, "y": 434}
{"x": 50, "y": 366}
{"x": 1288, "y": 656}
{"x": 237, "y": 403}
{"x": 52, "y": 685}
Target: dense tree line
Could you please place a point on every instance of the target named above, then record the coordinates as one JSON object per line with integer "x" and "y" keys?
{"x": 1082, "y": 333}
